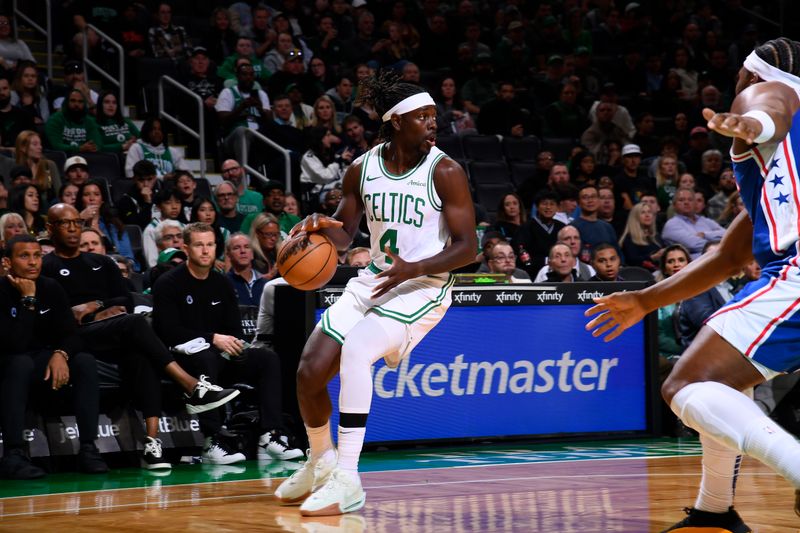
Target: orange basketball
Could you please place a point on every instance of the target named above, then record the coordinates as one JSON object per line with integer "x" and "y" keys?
{"x": 307, "y": 261}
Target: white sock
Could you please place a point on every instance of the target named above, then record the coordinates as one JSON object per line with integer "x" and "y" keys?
{"x": 351, "y": 440}
{"x": 319, "y": 440}
{"x": 720, "y": 469}
{"x": 733, "y": 419}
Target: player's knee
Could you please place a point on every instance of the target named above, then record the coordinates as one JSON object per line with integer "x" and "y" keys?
{"x": 310, "y": 375}
{"x": 671, "y": 387}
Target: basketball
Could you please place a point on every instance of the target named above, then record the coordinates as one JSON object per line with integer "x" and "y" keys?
{"x": 307, "y": 261}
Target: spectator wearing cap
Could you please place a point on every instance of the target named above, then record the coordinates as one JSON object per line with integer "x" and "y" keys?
{"x": 153, "y": 147}
{"x": 512, "y": 49}
{"x": 293, "y": 71}
{"x": 118, "y": 132}
{"x": 205, "y": 84}
{"x": 220, "y": 40}
{"x": 603, "y": 130}
{"x": 249, "y": 201}
{"x": 244, "y": 49}
{"x": 688, "y": 228}
{"x": 44, "y": 173}
{"x": 20, "y": 175}
{"x": 632, "y": 182}
{"x": 136, "y": 206}
{"x": 74, "y": 78}
{"x": 13, "y": 120}
{"x": 480, "y": 88}
{"x": 167, "y": 40}
{"x": 243, "y": 105}
{"x": 503, "y": 115}
{"x": 168, "y": 258}
{"x": 273, "y": 61}
{"x": 699, "y": 142}
{"x": 76, "y": 170}
{"x": 168, "y": 203}
{"x": 274, "y": 203}
{"x": 72, "y": 129}
{"x": 540, "y": 231}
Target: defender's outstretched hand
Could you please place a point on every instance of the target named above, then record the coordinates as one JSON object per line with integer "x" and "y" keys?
{"x": 733, "y": 125}
{"x": 615, "y": 313}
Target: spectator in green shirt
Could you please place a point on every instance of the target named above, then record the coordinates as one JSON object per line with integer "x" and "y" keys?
{"x": 249, "y": 201}
{"x": 72, "y": 129}
{"x": 118, "y": 132}
{"x": 274, "y": 203}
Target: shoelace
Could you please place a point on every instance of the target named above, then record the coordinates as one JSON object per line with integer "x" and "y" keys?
{"x": 153, "y": 447}
{"x": 203, "y": 383}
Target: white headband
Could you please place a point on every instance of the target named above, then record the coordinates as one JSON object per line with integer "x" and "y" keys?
{"x": 415, "y": 101}
{"x": 767, "y": 72}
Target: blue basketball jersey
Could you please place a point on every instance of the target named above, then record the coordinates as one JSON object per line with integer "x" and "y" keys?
{"x": 769, "y": 184}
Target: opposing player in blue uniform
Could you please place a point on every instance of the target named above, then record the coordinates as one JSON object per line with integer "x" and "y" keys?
{"x": 756, "y": 335}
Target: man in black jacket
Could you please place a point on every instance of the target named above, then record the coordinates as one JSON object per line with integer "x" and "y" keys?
{"x": 103, "y": 307}
{"x": 40, "y": 342}
{"x": 193, "y": 301}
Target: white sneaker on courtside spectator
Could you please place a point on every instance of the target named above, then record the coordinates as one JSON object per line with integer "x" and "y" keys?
{"x": 207, "y": 396}
{"x": 216, "y": 451}
{"x": 153, "y": 456}
{"x": 342, "y": 493}
{"x": 274, "y": 445}
{"x": 308, "y": 478}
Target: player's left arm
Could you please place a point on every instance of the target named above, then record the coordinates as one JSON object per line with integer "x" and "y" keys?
{"x": 459, "y": 215}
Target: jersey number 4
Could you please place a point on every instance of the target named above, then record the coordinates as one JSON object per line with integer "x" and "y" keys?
{"x": 389, "y": 238}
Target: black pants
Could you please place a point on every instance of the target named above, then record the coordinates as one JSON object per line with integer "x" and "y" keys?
{"x": 258, "y": 367}
{"x": 130, "y": 342}
{"x": 21, "y": 372}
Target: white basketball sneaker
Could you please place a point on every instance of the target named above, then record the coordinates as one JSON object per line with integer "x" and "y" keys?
{"x": 308, "y": 478}
{"x": 341, "y": 494}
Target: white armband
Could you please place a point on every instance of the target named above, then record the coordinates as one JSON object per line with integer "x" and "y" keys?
{"x": 767, "y": 125}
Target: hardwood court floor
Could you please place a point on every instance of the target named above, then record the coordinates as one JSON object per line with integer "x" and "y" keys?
{"x": 634, "y": 486}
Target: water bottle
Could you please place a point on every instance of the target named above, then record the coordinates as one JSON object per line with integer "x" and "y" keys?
{"x": 524, "y": 256}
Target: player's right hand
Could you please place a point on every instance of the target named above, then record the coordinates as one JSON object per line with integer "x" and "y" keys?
{"x": 315, "y": 222}
{"x": 615, "y": 313}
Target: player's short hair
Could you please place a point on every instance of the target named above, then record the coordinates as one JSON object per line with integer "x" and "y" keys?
{"x": 196, "y": 227}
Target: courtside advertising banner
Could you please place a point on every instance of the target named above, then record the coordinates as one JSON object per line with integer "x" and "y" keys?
{"x": 506, "y": 363}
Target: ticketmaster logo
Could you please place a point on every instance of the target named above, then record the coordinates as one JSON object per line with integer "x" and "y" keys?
{"x": 461, "y": 297}
{"x": 460, "y": 378}
{"x": 589, "y": 295}
{"x": 504, "y": 297}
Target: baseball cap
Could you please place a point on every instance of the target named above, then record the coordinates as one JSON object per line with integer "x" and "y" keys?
{"x": 291, "y": 87}
{"x": 698, "y": 130}
{"x": 549, "y": 21}
{"x": 631, "y": 149}
{"x": 20, "y": 170}
{"x": 631, "y": 6}
{"x": 514, "y": 25}
{"x": 168, "y": 254}
{"x": 359, "y": 3}
{"x": 271, "y": 185}
{"x": 74, "y": 160}
{"x": 72, "y": 66}
{"x": 199, "y": 50}
{"x": 483, "y": 57}
{"x": 555, "y": 59}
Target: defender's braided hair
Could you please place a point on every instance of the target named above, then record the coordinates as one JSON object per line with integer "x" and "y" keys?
{"x": 383, "y": 92}
{"x": 781, "y": 53}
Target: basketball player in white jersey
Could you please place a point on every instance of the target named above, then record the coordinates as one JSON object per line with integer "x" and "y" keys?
{"x": 756, "y": 335}
{"x": 421, "y": 222}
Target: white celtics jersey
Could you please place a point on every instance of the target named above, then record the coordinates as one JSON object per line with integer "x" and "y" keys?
{"x": 403, "y": 212}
